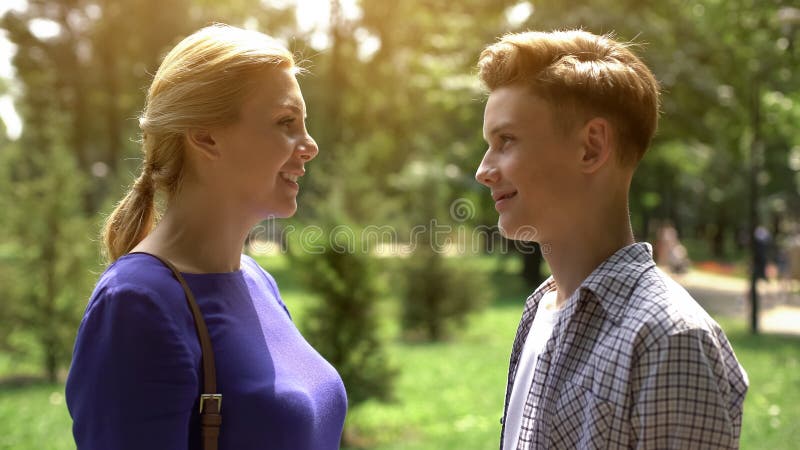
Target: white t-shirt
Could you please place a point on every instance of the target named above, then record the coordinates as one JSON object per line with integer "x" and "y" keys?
{"x": 539, "y": 334}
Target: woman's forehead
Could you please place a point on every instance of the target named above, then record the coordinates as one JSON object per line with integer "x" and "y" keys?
{"x": 276, "y": 90}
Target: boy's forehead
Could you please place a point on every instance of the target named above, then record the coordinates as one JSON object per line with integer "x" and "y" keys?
{"x": 506, "y": 107}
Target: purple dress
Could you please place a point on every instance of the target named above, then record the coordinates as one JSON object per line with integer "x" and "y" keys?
{"x": 136, "y": 374}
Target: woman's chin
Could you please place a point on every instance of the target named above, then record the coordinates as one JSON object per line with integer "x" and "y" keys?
{"x": 282, "y": 213}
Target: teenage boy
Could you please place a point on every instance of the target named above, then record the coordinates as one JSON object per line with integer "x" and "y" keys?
{"x": 610, "y": 352}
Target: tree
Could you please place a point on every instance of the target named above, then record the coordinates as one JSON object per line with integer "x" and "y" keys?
{"x": 344, "y": 325}
{"x": 438, "y": 293}
{"x": 80, "y": 91}
{"x": 715, "y": 61}
{"x": 47, "y": 251}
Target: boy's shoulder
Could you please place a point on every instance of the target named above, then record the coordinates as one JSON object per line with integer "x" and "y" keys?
{"x": 659, "y": 307}
{"x": 642, "y": 300}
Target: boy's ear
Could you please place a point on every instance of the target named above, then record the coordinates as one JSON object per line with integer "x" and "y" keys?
{"x": 204, "y": 142}
{"x": 597, "y": 144}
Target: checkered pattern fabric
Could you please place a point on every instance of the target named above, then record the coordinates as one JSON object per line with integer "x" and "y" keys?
{"x": 633, "y": 362}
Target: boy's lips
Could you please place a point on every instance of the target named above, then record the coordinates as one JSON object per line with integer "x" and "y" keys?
{"x": 502, "y": 199}
{"x": 502, "y": 195}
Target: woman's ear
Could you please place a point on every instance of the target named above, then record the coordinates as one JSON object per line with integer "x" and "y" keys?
{"x": 597, "y": 143}
{"x": 203, "y": 141}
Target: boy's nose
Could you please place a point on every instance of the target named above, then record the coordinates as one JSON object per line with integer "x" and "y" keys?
{"x": 486, "y": 175}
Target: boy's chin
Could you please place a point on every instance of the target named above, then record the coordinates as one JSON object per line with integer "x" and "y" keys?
{"x": 526, "y": 233}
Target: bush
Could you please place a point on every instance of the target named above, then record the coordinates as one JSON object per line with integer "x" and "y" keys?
{"x": 344, "y": 325}
{"x": 439, "y": 294}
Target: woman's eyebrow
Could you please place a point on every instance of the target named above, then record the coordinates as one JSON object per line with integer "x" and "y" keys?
{"x": 293, "y": 107}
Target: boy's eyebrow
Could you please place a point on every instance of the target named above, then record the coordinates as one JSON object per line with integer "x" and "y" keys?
{"x": 498, "y": 128}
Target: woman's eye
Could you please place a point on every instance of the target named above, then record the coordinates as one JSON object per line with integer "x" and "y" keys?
{"x": 506, "y": 138}
{"x": 286, "y": 121}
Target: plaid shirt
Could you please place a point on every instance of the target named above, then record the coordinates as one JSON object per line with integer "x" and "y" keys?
{"x": 633, "y": 362}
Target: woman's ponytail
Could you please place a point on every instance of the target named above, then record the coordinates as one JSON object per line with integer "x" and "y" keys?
{"x": 132, "y": 219}
{"x": 202, "y": 82}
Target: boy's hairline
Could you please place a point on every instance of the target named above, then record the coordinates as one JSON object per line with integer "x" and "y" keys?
{"x": 578, "y": 106}
{"x": 576, "y": 120}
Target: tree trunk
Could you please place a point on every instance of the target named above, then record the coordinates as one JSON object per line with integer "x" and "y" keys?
{"x": 644, "y": 231}
{"x": 532, "y": 267}
{"x": 718, "y": 238}
{"x": 111, "y": 87}
{"x": 434, "y": 331}
{"x": 47, "y": 315}
{"x": 51, "y": 362}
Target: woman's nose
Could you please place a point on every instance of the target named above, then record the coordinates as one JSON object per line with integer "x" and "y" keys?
{"x": 308, "y": 149}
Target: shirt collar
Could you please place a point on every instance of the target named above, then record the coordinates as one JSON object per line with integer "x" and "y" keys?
{"x": 612, "y": 282}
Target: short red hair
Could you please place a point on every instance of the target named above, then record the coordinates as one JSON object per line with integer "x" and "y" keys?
{"x": 581, "y": 75}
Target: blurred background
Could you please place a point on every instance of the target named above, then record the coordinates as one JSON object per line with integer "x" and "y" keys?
{"x": 427, "y": 319}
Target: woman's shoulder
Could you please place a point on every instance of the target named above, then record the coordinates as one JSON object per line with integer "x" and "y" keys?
{"x": 137, "y": 278}
{"x": 251, "y": 266}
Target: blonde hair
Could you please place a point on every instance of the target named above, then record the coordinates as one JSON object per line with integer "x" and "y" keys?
{"x": 580, "y": 75}
{"x": 200, "y": 83}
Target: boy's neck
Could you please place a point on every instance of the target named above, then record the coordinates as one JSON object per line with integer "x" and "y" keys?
{"x": 575, "y": 254}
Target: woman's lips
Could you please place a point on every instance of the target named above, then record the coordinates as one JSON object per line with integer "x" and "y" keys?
{"x": 291, "y": 179}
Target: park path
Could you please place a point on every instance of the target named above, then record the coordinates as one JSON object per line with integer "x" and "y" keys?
{"x": 723, "y": 295}
{"x": 720, "y": 295}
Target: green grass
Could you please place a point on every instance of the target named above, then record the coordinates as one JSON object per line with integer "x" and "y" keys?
{"x": 34, "y": 417}
{"x": 772, "y": 406}
{"x": 449, "y": 395}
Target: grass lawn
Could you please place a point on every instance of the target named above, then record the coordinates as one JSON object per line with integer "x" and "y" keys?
{"x": 34, "y": 417}
{"x": 449, "y": 395}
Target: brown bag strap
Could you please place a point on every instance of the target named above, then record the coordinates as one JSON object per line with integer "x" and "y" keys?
{"x": 210, "y": 399}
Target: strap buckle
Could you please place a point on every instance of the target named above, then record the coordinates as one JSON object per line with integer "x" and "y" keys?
{"x": 211, "y": 397}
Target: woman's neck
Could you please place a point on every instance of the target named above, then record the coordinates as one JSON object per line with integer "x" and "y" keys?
{"x": 199, "y": 234}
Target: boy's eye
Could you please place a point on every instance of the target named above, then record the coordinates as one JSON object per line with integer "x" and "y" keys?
{"x": 286, "y": 121}
{"x": 506, "y": 138}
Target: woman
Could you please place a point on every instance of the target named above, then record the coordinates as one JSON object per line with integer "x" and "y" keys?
{"x": 224, "y": 140}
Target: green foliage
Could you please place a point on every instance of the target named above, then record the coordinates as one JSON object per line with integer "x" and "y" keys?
{"x": 728, "y": 91}
{"x": 344, "y": 325}
{"x": 78, "y": 94}
{"x": 439, "y": 294}
{"x": 412, "y": 102}
{"x": 47, "y": 252}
